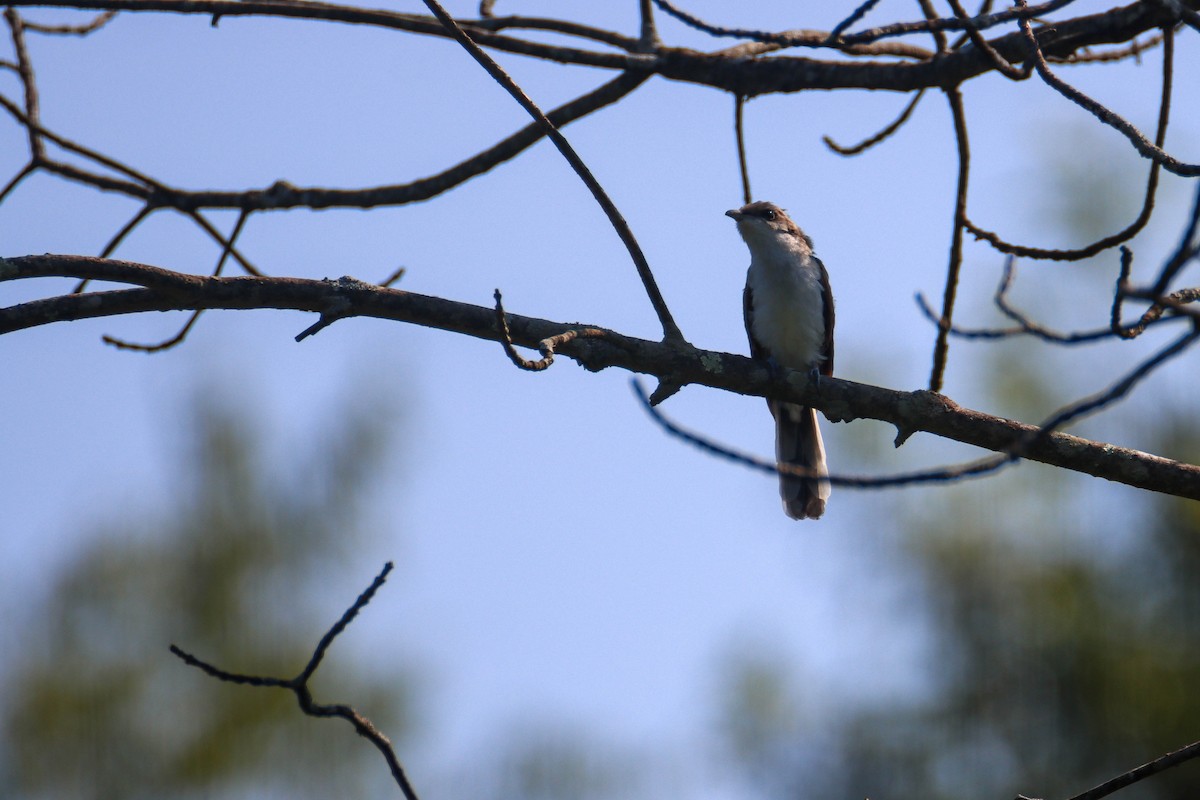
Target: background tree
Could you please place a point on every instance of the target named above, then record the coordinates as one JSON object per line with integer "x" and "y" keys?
{"x": 96, "y": 707}
{"x": 628, "y": 561}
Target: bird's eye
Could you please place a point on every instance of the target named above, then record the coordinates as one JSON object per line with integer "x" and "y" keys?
{"x": 769, "y": 215}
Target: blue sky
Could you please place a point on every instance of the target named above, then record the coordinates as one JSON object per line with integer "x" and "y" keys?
{"x": 559, "y": 558}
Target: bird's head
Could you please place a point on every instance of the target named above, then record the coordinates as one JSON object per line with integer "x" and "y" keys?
{"x": 766, "y": 224}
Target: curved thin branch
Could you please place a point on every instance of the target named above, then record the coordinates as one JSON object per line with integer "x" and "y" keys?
{"x": 565, "y": 27}
{"x": 1143, "y": 217}
{"x": 885, "y": 133}
{"x": 1026, "y": 326}
{"x": 739, "y": 132}
{"x": 1134, "y": 50}
{"x": 94, "y": 25}
{"x": 671, "y": 332}
{"x": 283, "y": 195}
{"x": 836, "y": 38}
{"x": 1115, "y": 121}
{"x": 975, "y": 469}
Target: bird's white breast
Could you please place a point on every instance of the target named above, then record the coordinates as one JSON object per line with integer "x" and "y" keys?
{"x": 789, "y": 308}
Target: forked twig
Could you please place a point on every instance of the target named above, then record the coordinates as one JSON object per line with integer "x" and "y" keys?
{"x": 299, "y": 685}
{"x": 1026, "y": 326}
{"x": 885, "y": 133}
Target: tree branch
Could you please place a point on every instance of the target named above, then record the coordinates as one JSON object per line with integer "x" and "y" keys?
{"x": 910, "y": 412}
{"x": 299, "y": 685}
{"x": 722, "y": 69}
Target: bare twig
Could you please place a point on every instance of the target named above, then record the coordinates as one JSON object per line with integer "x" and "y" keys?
{"x": 299, "y": 685}
{"x": 716, "y": 69}
{"x": 154, "y": 193}
{"x": 739, "y": 130}
{"x": 932, "y": 17}
{"x": 1139, "y": 141}
{"x": 1000, "y": 62}
{"x": 394, "y": 278}
{"x": 1133, "y": 50}
{"x": 841, "y": 41}
{"x": 178, "y": 338}
{"x": 1189, "y": 248}
{"x": 795, "y": 38}
{"x": 16, "y": 26}
{"x": 21, "y": 175}
{"x": 283, "y": 195}
{"x": 565, "y": 27}
{"x": 98, "y": 22}
{"x": 1026, "y": 326}
{"x": 883, "y": 134}
{"x": 648, "y": 40}
{"x": 546, "y": 346}
{"x": 979, "y": 23}
{"x": 1093, "y": 403}
{"x": 984, "y": 466}
{"x": 671, "y": 332}
{"x": 1186, "y": 14}
{"x": 1143, "y": 217}
{"x": 1019, "y": 448}
{"x": 858, "y": 13}
{"x": 941, "y": 346}
{"x": 1141, "y": 773}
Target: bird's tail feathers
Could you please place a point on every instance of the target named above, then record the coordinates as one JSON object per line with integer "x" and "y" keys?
{"x": 798, "y": 443}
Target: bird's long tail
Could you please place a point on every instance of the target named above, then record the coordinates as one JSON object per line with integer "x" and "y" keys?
{"x": 798, "y": 442}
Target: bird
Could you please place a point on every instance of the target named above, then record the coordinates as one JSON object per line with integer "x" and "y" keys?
{"x": 788, "y": 308}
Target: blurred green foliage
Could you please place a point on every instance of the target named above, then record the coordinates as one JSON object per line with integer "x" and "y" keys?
{"x": 96, "y": 706}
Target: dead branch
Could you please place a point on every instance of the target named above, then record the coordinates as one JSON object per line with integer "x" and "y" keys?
{"x": 910, "y": 412}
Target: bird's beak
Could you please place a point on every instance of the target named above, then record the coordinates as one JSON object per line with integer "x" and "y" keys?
{"x": 734, "y": 214}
